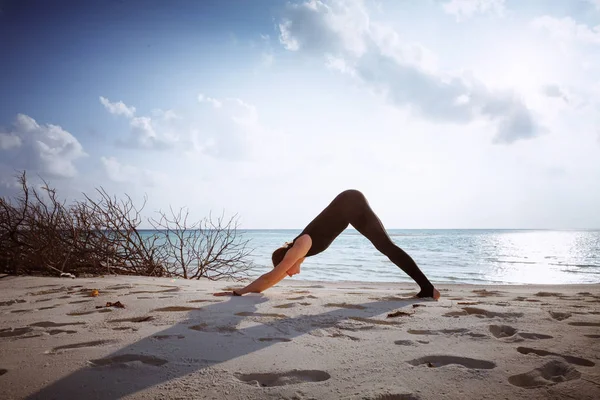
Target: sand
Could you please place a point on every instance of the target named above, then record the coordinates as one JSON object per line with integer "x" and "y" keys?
{"x": 299, "y": 340}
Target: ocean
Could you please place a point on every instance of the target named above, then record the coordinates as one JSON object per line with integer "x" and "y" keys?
{"x": 448, "y": 256}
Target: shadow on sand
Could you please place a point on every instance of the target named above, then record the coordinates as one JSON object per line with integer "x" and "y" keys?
{"x": 202, "y": 340}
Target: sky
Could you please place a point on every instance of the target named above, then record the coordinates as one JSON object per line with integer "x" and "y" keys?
{"x": 444, "y": 113}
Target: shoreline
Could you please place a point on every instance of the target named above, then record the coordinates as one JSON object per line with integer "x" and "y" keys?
{"x": 299, "y": 340}
{"x": 290, "y": 281}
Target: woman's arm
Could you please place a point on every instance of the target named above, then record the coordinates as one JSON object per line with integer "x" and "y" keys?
{"x": 265, "y": 281}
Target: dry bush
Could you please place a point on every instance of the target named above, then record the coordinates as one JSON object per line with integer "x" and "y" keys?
{"x": 39, "y": 234}
{"x": 203, "y": 248}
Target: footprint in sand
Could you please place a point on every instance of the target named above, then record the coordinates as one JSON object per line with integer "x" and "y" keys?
{"x": 312, "y": 287}
{"x": 204, "y": 327}
{"x": 346, "y": 305}
{"x": 255, "y": 314}
{"x": 80, "y": 301}
{"x": 486, "y": 293}
{"x": 122, "y": 286}
{"x": 460, "y": 332}
{"x": 520, "y": 298}
{"x": 290, "y": 305}
{"x": 50, "y": 324}
{"x": 134, "y": 319}
{"x": 177, "y": 308}
{"x": 302, "y": 297}
{"x": 481, "y": 313}
{"x": 274, "y": 339}
{"x": 204, "y": 301}
{"x": 441, "y": 360}
{"x": 391, "y": 298}
{"x": 11, "y": 302}
{"x": 549, "y": 294}
{"x": 175, "y": 289}
{"x": 399, "y": 314}
{"x": 559, "y": 316}
{"x": 23, "y": 333}
{"x": 163, "y": 337}
{"x": 53, "y": 332}
{"x": 128, "y": 358}
{"x": 403, "y": 396}
{"x": 102, "y": 310}
{"x": 376, "y": 321}
{"x": 551, "y": 373}
{"x": 514, "y": 335}
{"x": 10, "y": 332}
{"x": 80, "y": 345}
{"x": 332, "y": 332}
{"x": 286, "y": 305}
{"x": 283, "y": 378}
{"x": 570, "y": 359}
{"x": 584, "y": 323}
{"x": 48, "y": 308}
{"x": 405, "y": 343}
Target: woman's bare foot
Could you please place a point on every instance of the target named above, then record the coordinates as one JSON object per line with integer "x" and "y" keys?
{"x": 434, "y": 293}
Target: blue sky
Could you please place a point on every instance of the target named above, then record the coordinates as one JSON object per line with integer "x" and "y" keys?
{"x": 445, "y": 113}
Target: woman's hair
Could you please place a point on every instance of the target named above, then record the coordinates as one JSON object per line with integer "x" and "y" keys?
{"x": 278, "y": 254}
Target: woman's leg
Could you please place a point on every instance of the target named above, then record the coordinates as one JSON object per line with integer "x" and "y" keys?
{"x": 362, "y": 217}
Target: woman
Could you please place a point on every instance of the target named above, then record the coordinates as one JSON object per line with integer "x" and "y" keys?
{"x": 349, "y": 207}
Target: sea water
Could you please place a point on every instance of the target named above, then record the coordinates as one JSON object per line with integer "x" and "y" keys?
{"x": 447, "y": 256}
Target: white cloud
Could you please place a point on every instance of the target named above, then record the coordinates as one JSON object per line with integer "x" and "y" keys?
{"x": 8, "y": 141}
{"x": 464, "y": 9}
{"x": 203, "y": 99}
{"x": 145, "y": 132}
{"x": 554, "y": 90}
{"x": 167, "y": 115}
{"x": 45, "y": 149}
{"x": 226, "y": 129}
{"x": 240, "y": 112}
{"x": 123, "y": 173}
{"x": 567, "y": 29}
{"x": 117, "y": 108}
{"x": 405, "y": 73}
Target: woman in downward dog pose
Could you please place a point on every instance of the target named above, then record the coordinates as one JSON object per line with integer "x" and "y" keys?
{"x": 348, "y": 207}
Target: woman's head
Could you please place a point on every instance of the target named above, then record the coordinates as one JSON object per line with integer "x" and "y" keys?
{"x": 279, "y": 253}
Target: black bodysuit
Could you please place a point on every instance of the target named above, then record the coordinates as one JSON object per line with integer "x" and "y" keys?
{"x": 351, "y": 207}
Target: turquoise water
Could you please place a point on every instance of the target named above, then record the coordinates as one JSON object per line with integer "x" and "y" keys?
{"x": 448, "y": 256}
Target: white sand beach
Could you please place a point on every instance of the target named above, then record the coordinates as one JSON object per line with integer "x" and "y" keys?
{"x": 298, "y": 340}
